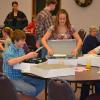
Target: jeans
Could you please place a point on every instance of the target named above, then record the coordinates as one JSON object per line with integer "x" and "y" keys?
{"x": 29, "y": 86}
{"x": 86, "y": 87}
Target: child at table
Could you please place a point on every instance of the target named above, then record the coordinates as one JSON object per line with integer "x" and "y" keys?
{"x": 13, "y": 56}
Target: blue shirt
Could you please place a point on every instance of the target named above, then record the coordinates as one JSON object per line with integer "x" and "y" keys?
{"x": 90, "y": 43}
{"x": 12, "y": 52}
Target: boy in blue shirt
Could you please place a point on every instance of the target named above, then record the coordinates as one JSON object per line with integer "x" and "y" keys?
{"x": 14, "y": 55}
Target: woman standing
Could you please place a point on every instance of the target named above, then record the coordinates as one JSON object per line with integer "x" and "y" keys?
{"x": 62, "y": 30}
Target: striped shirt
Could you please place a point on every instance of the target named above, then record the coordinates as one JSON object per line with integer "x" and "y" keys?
{"x": 44, "y": 21}
{"x": 10, "y": 53}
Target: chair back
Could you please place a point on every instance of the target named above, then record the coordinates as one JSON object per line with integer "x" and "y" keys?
{"x": 7, "y": 90}
{"x": 93, "y": 97}
{"x": 1, "y": 63}
{"x": 60, "y": 90}
{"x": 82, "y": 34}
{"x": 31, "y": 42}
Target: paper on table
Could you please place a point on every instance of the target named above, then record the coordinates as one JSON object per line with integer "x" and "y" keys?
{"x": 50, "y": 70}
{"x": 24, "y": 66}
{"x": 80, "y": 69}
{"x": 95, "y": 60}
{"x": 72, "y": 62}
{"x": 98, "y": 72}
{"x": 59, "y": 55}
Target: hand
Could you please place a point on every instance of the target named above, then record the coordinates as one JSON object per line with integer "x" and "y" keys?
{"x": 31, "y": 55}
{"x": 50, "y": 52}
{"x": 75, "y": 52}
{"x": 92, "y": 52}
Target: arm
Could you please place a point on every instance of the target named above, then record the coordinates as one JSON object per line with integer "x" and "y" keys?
{"x": 16, "y": 60}
{"x": 79, "y": 42}
{"x": 8, "y": 20}
{"x": 95, "y": 51}
{"x": 1, "y": 47}
{"x": 39, "y": 27}
{"x": 44, "y": 42}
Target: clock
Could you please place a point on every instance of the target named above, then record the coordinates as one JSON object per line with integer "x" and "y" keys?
{"x": 83, "y": 3}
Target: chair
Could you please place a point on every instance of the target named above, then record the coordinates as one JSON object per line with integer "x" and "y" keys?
{"x": 31, "y": 42}
{"x": 8, "y": 92}
{"x": 60, "y": 90}
{"x": 1, "y": 62}
{"x": 93, "y": 97}
{"x": 82, "y": 34}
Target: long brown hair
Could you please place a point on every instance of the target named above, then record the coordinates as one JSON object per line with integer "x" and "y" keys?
{"x": 68, "y": 25}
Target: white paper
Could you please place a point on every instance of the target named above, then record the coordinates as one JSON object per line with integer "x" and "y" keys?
{"x": 94, "y": 60}
{"x": 59, "y": 55}
{"x": 24, "y": 66}
{"x": 48, "y": 70}
{"x": 72, "y": 62}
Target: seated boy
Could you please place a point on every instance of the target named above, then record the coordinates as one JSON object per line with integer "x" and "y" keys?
{"x": 14, "y": 55}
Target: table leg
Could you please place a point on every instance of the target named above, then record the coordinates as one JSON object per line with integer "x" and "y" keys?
{"x": 46, "y": 91}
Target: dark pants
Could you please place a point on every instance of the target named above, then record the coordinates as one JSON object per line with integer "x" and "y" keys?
{"x": 86, "y": 87}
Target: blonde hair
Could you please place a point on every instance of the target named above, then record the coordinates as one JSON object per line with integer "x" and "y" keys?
{"x": 8, "y": 30}
{"x": 92, "y": 28}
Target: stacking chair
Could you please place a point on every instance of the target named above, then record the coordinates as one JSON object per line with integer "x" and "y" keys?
{"x": 60, "y": 90}
{"x": 93, "y": 97}
{"x": 1, "y": 62}
{"x": 31, "y": 42}
{"x": 8, "y": 92}
{"x": 82, "y": 34}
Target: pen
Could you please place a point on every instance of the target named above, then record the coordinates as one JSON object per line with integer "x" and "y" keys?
{"x": 39, "y": 49}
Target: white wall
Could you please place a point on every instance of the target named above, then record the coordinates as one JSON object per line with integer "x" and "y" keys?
{"x": 82, "y": 17}
{"x": 79, "y": 17}
{"x": 6, "y": 6}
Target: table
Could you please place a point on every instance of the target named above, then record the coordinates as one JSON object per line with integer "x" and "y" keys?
{"x": 90, "y": 75}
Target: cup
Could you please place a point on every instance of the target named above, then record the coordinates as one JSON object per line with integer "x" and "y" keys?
{"x": 88, "y": 63}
